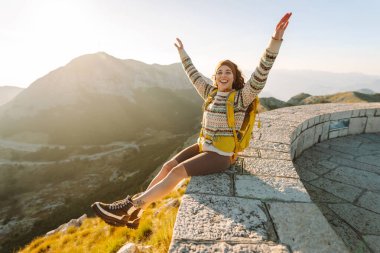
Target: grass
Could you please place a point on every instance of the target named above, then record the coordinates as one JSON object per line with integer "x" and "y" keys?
{"x": 94, "y": 235}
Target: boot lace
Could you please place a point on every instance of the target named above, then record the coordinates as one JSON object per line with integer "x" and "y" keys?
{"x": 120, "y": 204}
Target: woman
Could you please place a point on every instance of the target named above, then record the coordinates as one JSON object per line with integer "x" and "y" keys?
{"x": 202, "y": 157}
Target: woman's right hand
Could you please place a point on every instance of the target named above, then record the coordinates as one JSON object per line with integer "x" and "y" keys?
{"x": 180, "y": 45}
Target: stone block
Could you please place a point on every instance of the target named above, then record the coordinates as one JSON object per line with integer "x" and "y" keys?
{"x": 293, "y": 148}
{"x": 340, "y": 115}
{"x": 293, "y": 135}
{"x": 357, "y": 125}
{"x": 310, "y": 122}
{"x": 318, "y": 133}
{"x": 274, "y": 135}
{"x": 193, "y": 247}
{"x": 269, "y": 188}
{"x": 309, "y": 138}
{"x": 373, "y": 125}
{"x": 317, "y": 119}
{"x": 216, "y": 183}
{"x": 270, "y": 167}
{"x": 362, "y": 112}
{"x": 204, "y": 217}
{"x": 261, "y": 144}
{"x": 325, "y": 117}
{"x": 333, "y": 134}
{"x": 304, "y": 125}
{"x": 355, "y": 113}
{"x": 299, "y": 129}
{"x": 303, "y": 227}
{"x": 370, "y": 112}
{"x": 325, "y": 131}
{"x": 300, "y": 144}
{"x": 343, "y": 132}
{"x": 267, "y": 154}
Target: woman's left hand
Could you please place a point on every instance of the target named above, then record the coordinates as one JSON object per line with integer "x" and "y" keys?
{"x": 281, "y": 26}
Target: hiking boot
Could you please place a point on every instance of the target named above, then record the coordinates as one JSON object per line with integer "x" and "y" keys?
{"x": 118, "y": 212}
{"x": 134, "y": 219}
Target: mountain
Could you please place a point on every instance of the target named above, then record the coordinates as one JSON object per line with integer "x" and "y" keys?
{"x": 97, "y": 98}
{"x": 366, "y": 91}
{"x": 94, "y": 129}
{"x": 272, "y": 103}
{"x": 283, "y": 84}
{"x": 7, "y": 93}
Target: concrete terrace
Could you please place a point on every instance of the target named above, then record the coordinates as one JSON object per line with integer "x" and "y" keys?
{"x": 302, "y": 186}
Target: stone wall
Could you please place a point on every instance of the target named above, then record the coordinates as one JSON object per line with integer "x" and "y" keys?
{"x": 260, "y": 204}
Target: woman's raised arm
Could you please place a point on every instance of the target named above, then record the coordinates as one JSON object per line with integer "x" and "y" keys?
{"x": 258, "y": 79}
{"x": 203, "y": 88}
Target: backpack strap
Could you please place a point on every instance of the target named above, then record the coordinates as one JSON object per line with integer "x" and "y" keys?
{"x": 209, "y": 99}
{"x": 231, "y": 119}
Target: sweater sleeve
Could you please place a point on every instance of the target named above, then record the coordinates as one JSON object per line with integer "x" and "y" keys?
{"x": 203, "y": 88}
{"x": 258, "y": 79}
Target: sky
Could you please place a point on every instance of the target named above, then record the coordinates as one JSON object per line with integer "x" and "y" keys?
{"x": 39, "y": 36}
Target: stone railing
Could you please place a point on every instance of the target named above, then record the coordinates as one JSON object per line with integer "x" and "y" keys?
{"x": 260, "y": 204}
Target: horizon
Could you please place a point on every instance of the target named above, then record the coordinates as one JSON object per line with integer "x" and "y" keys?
{"x": 42, "y": 36}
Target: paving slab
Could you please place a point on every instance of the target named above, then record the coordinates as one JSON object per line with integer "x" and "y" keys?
{"x": 355, "y": 164}
{"x": 370, "y": 159}
{"x": 216, "y": 183}
{"x": 223, "y": 247}
{"x": 304, "y": 163}
{"x": 344, "y": 142}
{"x": 264, "y": 187}
{"x": 306, "y": 175}
{"x": 350, "y": 237}
{"x": 350, "y": 151}
{"x": 364, "y": 221}
{"x": 334, "y": 153}
{"x": 304, "y": 228}
{"x": 373, "y": 242}
{"x": 204, "y": 217}
{"x": 321, "y": 196}
{"x": 355, "y": 177}
{"x": 371, "y": 201}
{"x": 276, "y": 146}
{"x": 270, "y": 167}
{"x": 314, "y": 154}
{"x": 341, "y": 190}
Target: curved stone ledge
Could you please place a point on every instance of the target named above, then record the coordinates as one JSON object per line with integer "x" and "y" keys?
{"x": 260, "y": 204}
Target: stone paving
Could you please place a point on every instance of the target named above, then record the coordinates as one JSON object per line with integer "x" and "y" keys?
{"x": 342, "y": 176}
{"x": 267, "y": 201}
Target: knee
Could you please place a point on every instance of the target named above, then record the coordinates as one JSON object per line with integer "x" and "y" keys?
{"x": 169, "y": 165}
{"x": 179, "y": 172}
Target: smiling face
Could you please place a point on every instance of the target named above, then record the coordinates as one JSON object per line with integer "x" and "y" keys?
{"x": 224, "y": 78}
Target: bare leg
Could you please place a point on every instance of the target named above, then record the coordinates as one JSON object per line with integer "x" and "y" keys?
{"x": 165, "y": 170}
{"x": 162, "y": 188}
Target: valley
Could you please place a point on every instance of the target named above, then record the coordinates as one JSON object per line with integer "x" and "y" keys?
{"x": 43, "y": 186}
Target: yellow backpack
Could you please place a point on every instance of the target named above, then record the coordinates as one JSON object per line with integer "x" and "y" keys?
{"x": 242, "y": 137}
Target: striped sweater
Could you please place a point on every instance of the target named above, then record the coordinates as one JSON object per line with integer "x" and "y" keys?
{"x": 214, "y": 120}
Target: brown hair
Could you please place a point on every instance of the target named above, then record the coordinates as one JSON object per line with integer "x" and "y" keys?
{"x": 238, "y": 77}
